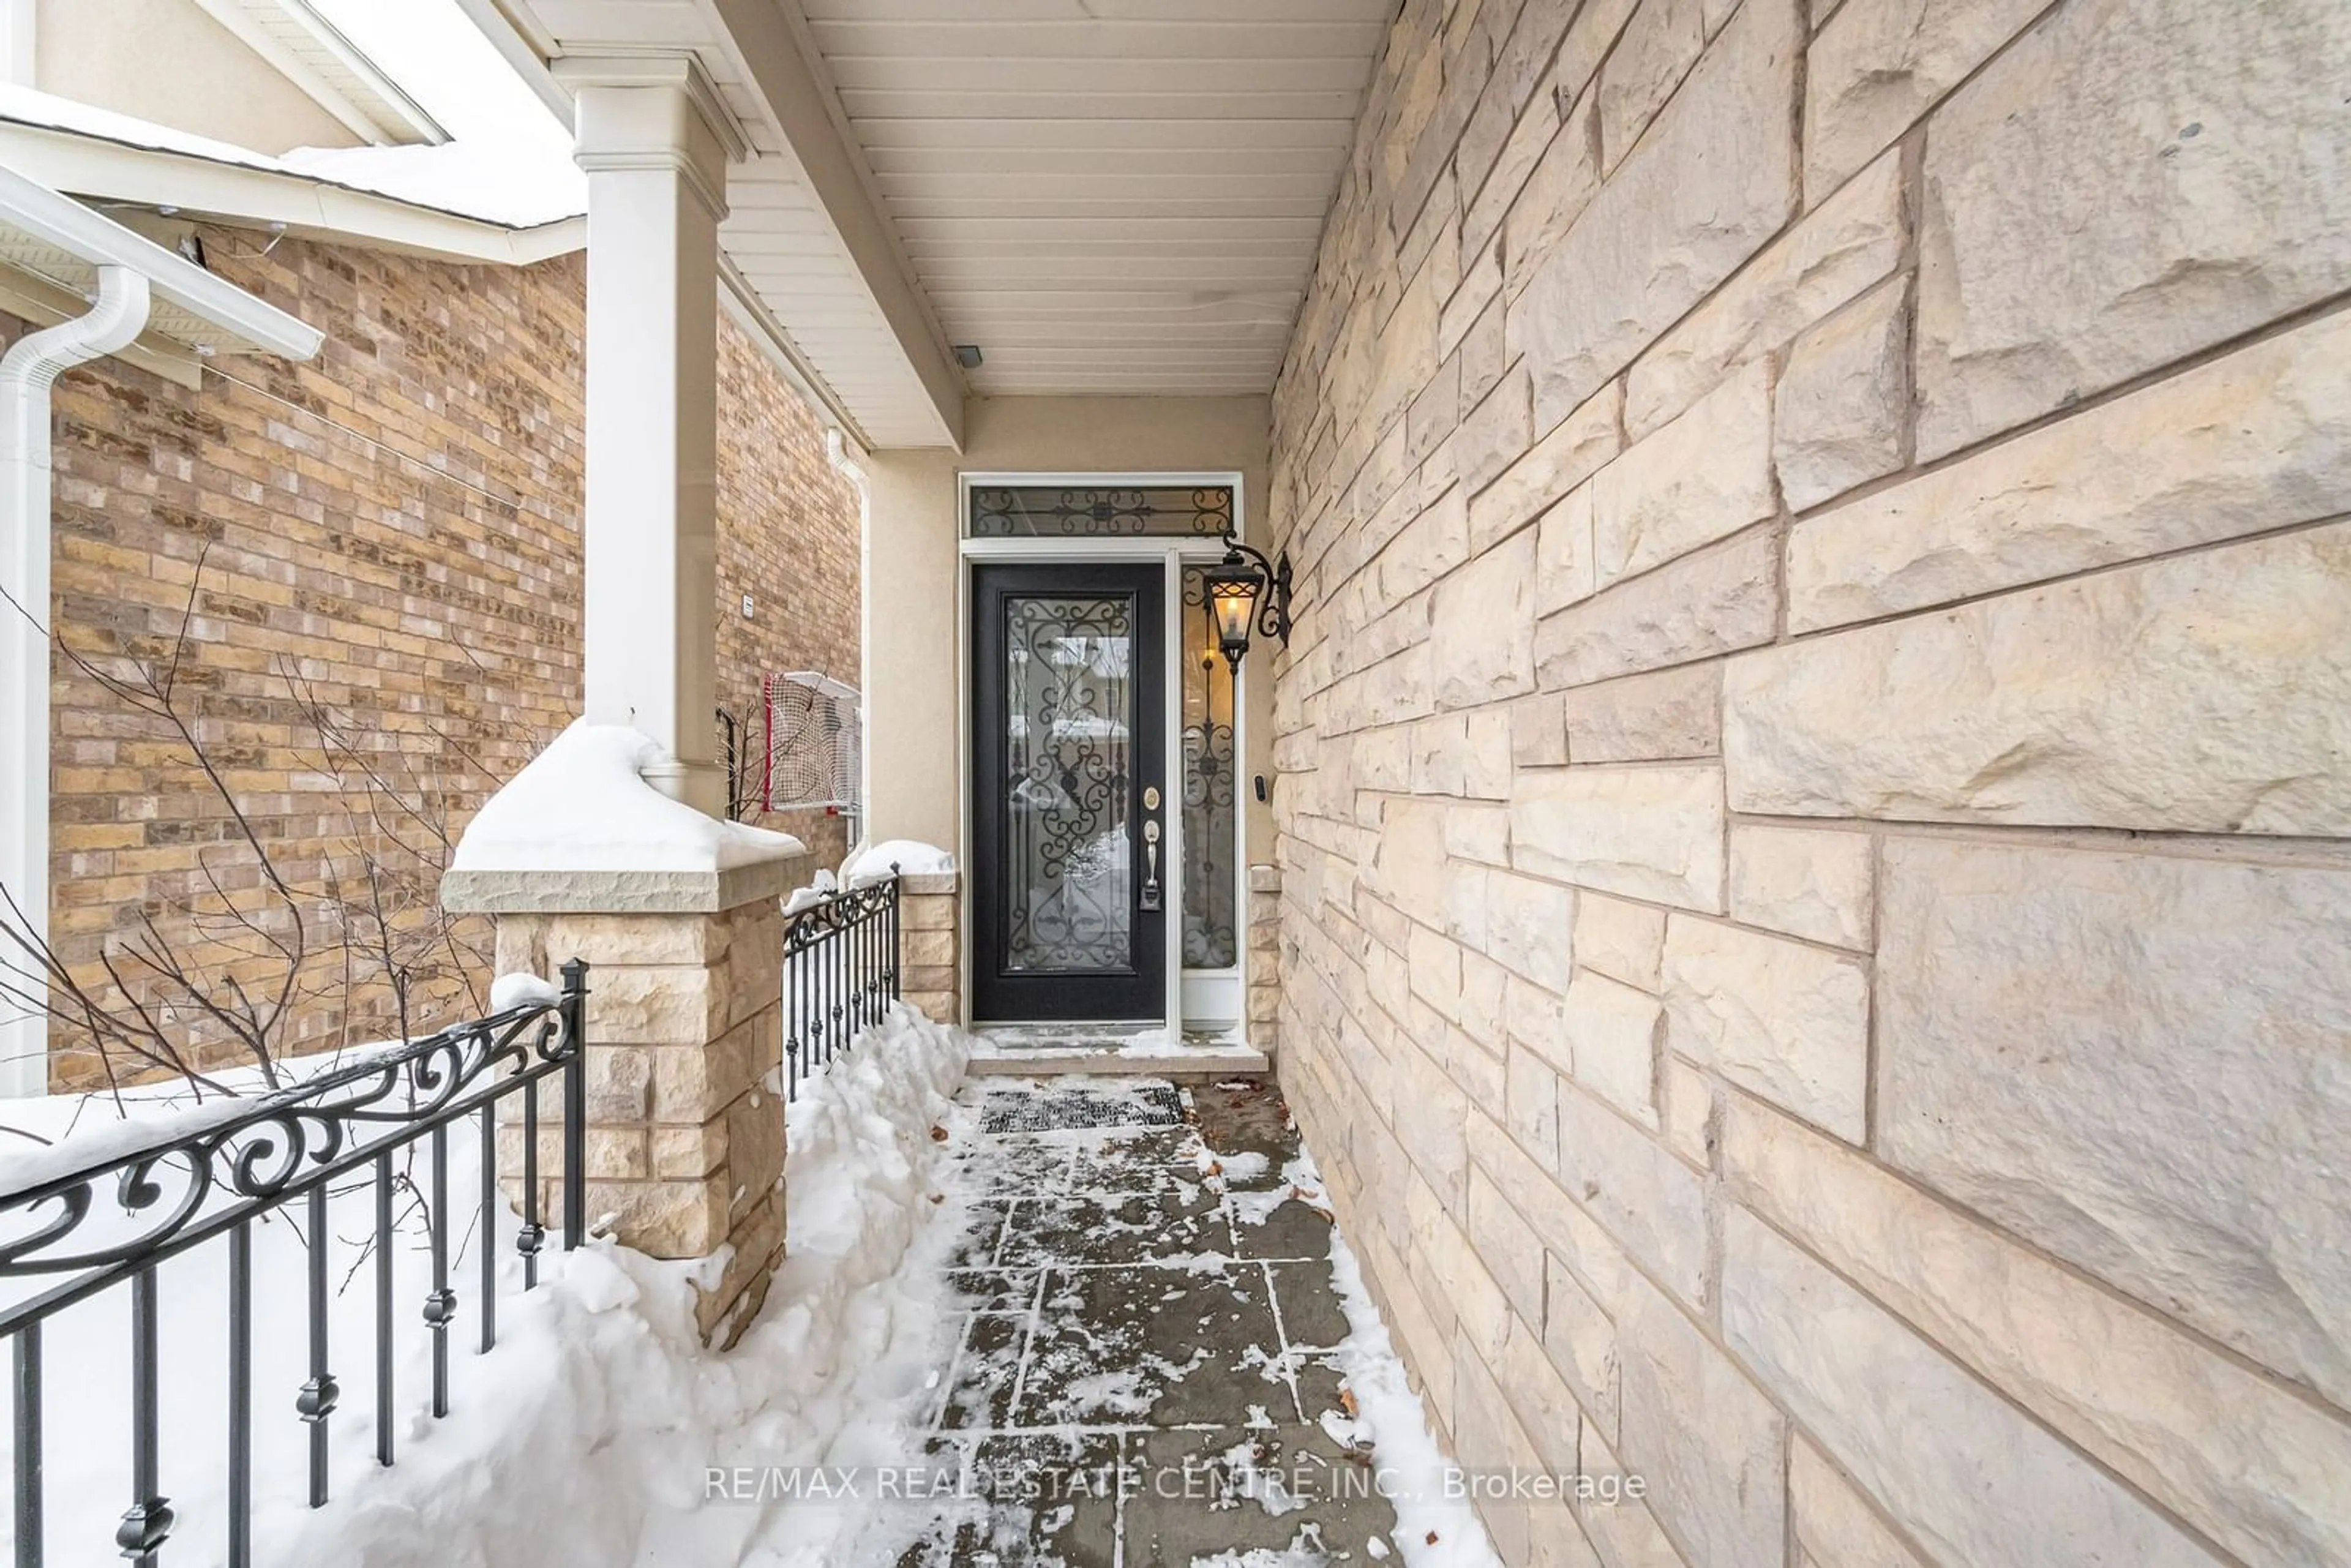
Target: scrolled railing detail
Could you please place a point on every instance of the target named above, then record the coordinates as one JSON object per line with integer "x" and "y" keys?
{"x": 112, "y": 1220}
{"x": 260, "y": 1156}
{"x": 840, "y": 973}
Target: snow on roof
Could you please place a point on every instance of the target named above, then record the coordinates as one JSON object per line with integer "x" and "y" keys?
{"x": 497, "y": 185}
{"x": 512, "y": 187}
{"x": 583, "y": 805}
{"x": 28, "y": 107}
{"x": 509, "y": 157}
{"x": 509, "y": 162}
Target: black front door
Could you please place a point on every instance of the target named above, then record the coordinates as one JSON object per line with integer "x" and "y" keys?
{"x": 1069, "y": 884}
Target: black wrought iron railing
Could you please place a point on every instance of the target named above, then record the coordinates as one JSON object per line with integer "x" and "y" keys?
{"x": 338, "y": 1152}
{"x": 841, "y": 974}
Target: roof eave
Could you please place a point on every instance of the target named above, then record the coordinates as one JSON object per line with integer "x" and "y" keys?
{"x": 58, "y": 220}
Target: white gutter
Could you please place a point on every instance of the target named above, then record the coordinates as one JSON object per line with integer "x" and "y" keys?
{"x": 36, "y": 210}
{"x": 27, "y": 373}
{"x": 135, "y": 277}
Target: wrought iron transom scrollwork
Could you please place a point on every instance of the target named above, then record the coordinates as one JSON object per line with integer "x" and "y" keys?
{"x": 1204, "y": 511}
{"x": 1069, "y": 698}
{"x": 142, "y": 1204}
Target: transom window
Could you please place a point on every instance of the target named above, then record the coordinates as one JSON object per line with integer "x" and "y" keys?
{"x": 1076, "y": 512}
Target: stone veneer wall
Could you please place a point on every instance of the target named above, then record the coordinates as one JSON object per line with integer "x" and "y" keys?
{"x": 1816, "y": 760}
{"x": 930, "y": 944}
{"x": 1264, "y": 999}
{"x": 400, "y": 518}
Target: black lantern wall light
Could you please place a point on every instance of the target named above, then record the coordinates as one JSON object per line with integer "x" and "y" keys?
{"x": 1246, "y": 592}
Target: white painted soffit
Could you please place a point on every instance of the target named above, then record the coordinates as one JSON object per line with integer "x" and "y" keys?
{"x": 312, "y": 53}
{"x": 1107, "y": 196}
{"x": 58, "y": 242}
{"x": 805, "y": 233}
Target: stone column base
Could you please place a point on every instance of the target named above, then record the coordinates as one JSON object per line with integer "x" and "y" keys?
{"x": 930, "y": 946}
{"x": 685, "y": 1144}
{"x": 1265, "y": 958}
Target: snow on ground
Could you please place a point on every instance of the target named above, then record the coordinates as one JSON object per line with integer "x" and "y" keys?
{"x": 595, "y": 1442}
{"x": 1436, "y": 1527}
{"x": 588, "y": 1436}
{"x": 592, "y": 1436}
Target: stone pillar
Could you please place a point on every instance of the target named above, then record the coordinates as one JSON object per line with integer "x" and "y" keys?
{"x": 686, "y": 1128}
{"x": 655, "y": 141}
{"x": 930, "y": 946}
{"x": 1265, "y": 958}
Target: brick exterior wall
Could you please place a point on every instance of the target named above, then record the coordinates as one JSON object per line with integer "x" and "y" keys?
{"x": 788, "y": 533}
{"x": 1813, "y": 828}
{"x": 396, "y": 523}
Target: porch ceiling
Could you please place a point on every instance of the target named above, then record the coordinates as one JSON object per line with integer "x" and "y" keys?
{"x": 1105, "y": 195}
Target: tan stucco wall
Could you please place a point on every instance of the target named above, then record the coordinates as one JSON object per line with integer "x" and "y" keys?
{"x": 914, "y": 621}
{"x": 166, "y": 61}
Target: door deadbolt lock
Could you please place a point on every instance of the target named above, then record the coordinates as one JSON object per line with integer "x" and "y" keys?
{"x": 1151, "y": 799}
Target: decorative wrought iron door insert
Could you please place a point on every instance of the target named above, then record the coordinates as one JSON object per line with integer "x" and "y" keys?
{"x": 1068, "y": 874}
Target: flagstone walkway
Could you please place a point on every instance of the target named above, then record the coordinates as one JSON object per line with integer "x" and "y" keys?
{"x": 1146, "y": 1373}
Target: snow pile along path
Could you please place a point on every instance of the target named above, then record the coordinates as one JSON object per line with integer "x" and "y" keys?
{"x": 600, "y": 1430}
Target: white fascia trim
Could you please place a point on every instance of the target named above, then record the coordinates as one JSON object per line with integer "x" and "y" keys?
{"x": 303, "y": 204}
{"x": 526, "y": 45}
{"x": 748, "y": 311}
{"x": 62, "y": 222}
{"x": 379, "y": 112}
{"x": 537, "y": 57}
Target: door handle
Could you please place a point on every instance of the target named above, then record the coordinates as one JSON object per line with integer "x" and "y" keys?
{"x": 1150, "y": 900}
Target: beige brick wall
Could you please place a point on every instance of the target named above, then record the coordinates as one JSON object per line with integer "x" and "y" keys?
{"x": 788, "y": 532}
{"x": 1816, "y": 770}
{"x": 397, "y": 521}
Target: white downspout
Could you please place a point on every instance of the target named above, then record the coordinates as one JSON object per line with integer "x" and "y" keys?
{"x": 27, "y": 370}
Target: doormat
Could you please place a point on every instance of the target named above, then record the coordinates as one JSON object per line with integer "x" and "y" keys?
{"x": 1075, "y": 1110}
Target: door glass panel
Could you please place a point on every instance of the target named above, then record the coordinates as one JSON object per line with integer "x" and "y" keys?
{"x": 1069, "y": 686}
{"x": 1208, "y": 936}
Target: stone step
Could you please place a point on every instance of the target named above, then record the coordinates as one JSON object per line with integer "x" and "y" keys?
{"x": 1059, "y": 1054}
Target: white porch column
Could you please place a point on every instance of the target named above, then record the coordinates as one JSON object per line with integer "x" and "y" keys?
{"x": 655, "y": 141}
